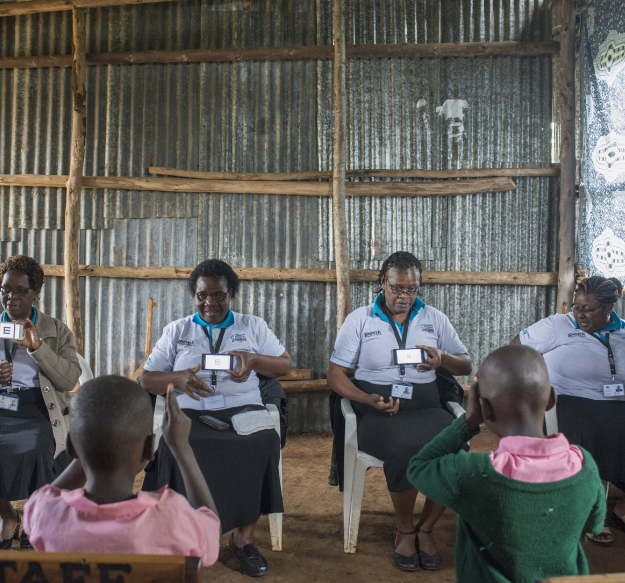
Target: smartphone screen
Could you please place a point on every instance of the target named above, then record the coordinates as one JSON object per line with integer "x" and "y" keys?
{"x": 409, "y": 356}
{"x": 216, "y": 362}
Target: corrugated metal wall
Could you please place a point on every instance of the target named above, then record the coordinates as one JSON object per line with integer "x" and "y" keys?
{"x": 278, "y": 116}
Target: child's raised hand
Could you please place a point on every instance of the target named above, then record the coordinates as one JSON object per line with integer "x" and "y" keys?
{"x": 474, "y": 409}
{"x": 176, "y": 425}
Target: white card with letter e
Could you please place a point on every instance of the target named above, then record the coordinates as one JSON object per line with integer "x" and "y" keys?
{"x": 11, "y": 331}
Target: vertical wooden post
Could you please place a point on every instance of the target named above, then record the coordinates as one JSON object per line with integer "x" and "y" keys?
{"x": 74, "y": 182}
{"x": 148, "y": 333}
{"x": 338, "y": 175}
{"x": 566, "y": 275}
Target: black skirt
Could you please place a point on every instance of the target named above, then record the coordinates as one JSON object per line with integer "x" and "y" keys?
{"x": 241, "y": 471}
{"x": 26, "y": 448}
{"x": 395, "y": 440}
{"x": 599, "y": 427}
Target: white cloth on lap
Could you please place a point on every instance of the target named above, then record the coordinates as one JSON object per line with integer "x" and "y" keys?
{"x": 250, "y": 422}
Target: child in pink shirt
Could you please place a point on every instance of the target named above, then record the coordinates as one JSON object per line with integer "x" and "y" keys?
{"x": 111, "y": 440}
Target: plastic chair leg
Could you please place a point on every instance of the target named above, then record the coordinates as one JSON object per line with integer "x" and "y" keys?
{"x": 275, "y": 520}
{"x": 358, "y": 488}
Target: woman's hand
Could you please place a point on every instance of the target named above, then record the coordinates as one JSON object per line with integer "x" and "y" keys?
{"x": 435, "y": 356}
{"x": 6, "y": 371}
{"x": 378, "y": 402}
{"x": 247, "y": 366}
{"x": 31, "y": 339}
{"x": 474, "y": 410}
{"x": 176, "y": 425}
{"x": 188, "y": 382}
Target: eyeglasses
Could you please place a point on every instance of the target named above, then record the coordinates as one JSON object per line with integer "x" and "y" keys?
{"x": 398, "y": 290}
{"x": 217, "y": 296}
{"x": 17, "y": 292}
{"x": 575, "y": 310}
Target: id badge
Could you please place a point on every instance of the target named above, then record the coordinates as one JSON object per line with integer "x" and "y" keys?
{"x": 402, "y": 391}
{"x": 615, "y": 390}
{"x": 215, "y": 401}
{"x": 9, "y": 402}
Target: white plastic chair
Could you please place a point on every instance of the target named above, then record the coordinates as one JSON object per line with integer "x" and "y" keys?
{"x": 356, "y": 464}
{"x": 275, "y": 520}
{"x": 86, "y": 374}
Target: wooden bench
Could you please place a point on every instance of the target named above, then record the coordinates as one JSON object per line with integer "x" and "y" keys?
{"x": 33, "y": 567}
{"x": 299, "y": 381}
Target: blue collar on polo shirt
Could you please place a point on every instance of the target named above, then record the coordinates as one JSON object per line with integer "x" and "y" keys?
{"x": 225, "y": 323}
{"x": 377, "y": 310}
{"x": 615, "y": 324}
{"x": 33, "y": 319}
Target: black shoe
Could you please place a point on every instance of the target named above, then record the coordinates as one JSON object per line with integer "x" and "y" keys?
{"x": 7, "y": 543}
{"x": 252, "y": 561}
{"x": 25, "y": 543}
{"x": 428, "y": 562}
{"x": 404, "y": 562}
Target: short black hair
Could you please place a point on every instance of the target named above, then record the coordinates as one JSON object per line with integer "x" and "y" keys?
{"x": 400, "y": 260}
{"x": 605, "y": 290}
{"x": 108, "y": 416}
{"x": 214, "y": 268}
{"x": 26, "y": 265}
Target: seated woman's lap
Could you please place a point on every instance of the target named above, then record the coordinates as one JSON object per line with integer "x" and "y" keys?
{"x": 395, "y": 440}
{"x": 597, "y": 426}
{"x": 241, "y": 470}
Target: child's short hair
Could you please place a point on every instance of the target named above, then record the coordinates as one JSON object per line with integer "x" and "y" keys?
{"x": 108, "y": 416}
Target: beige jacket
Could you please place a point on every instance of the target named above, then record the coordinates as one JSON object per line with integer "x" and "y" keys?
{"x": 58, "y": 372}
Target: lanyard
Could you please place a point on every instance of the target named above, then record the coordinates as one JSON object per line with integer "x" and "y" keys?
{"x": 214, "y": 350}
{"x": 9, "y": 351}
{"x": 401, "y": 340}
{"x": 611, "y": 360}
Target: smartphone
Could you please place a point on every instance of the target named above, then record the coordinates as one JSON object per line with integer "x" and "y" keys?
{"x": 410, "y": 356}
{"x": 214, "y": 423}
{"x": 221, "y": 362}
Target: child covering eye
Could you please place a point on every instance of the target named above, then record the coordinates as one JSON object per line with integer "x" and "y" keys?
{"x": 111, "y": 441}
{"x": 522, "y": 509}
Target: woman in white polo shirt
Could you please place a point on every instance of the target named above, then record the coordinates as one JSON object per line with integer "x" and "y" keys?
{"x": 585, "y": 355}
{"x": 395, "y": 429}
{"x": 241, "y": 470}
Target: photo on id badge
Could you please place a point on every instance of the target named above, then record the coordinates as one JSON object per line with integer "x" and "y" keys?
{"x": 401, "y": 391}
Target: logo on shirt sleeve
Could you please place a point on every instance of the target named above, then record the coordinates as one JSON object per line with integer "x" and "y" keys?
{"x": 373, "y": 333}
{"x": 186, "y": 342}
{"x": 582, "y": 334}
{"x": 238, "y": 337}
{"x": 427, "y": 327}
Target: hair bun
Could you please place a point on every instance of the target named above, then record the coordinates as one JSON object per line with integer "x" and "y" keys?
{"x": 619, "y": 286}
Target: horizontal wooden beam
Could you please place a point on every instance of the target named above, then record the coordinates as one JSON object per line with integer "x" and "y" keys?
{"x": 305, "y": 386}
{"x": 400, "y": 189}
{"x": 34, "y": 6}
{"x": 315, "y": 275}
{"x": 327, "y": 174}
{"x": 291, "y": 53}
{"x": 297, "y": 374}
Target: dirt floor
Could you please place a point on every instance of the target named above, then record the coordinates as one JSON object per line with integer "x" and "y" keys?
{"x": 313, "y": 528}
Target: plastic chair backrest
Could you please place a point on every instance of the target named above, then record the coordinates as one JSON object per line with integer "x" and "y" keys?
{"x": 86, "y": 374}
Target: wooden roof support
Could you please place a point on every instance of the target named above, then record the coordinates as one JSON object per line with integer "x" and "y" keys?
{"x": 290, "y": 53}
{"x": 324, "y": 174}
{"x": 566, "y": 277}
{"x": 315, "y": 275}
{"x": 339, "y": 218}
{"x": 74, "y": 182}
{"x": 405, "y": 189}
{"x": 34, "y": 6}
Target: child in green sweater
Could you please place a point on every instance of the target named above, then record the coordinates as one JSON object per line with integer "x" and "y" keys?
{"x": 523, "y": 508}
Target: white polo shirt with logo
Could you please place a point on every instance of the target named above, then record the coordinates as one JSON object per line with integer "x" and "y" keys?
{"x": 183, "y": 342}
{"x": 578, "y": 363}
{"x": 366, "y": 342}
